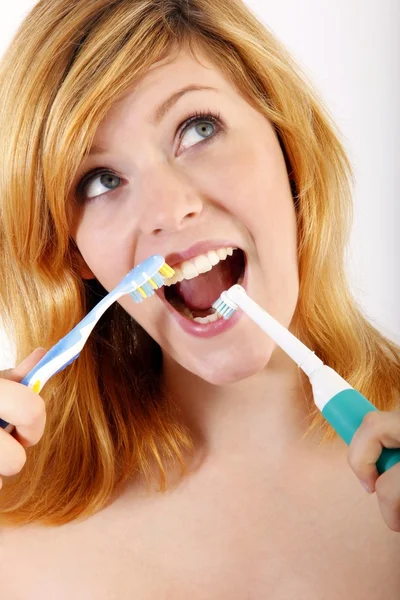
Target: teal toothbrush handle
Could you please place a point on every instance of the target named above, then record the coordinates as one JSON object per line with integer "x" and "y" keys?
{"x": 345, "y": 412}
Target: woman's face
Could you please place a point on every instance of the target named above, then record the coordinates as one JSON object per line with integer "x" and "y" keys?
{"x": 182, "y": 189}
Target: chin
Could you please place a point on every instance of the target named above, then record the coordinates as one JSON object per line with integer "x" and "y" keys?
{"x": 225, "y": 368}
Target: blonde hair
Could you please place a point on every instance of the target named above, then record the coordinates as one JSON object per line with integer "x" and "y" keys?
{"x": 107, "y": 421}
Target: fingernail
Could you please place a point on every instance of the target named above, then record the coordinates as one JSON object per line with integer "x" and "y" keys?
{"x": 366, "y": 487}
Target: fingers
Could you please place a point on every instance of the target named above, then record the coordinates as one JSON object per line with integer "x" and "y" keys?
{"x": 23, "y": 408}
{"x": 388, "y": 493}
{"x": 12, "y": 455}
{"x": 379, "y": 429}
{"x": 18, "y": 373}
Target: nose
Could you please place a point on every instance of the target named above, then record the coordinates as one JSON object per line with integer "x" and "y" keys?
{"x": 168, "y": 203}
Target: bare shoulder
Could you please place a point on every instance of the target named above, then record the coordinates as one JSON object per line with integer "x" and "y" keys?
{"x": 16, "y": 545}
{"x": 227, "y": 536}
{"x": 11, "y": 560}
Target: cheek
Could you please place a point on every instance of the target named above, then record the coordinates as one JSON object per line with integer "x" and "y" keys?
{"x": 261, "y": 193}
{"x": 255, "y": 189}
{"x": 106, "y": 248}
{"x": 249, "y": 178}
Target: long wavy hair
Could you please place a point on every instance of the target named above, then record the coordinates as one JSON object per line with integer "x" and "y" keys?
{"x": 108, "y": 419}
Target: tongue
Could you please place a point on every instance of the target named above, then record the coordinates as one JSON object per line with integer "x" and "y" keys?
{"x": 202, "y": 291}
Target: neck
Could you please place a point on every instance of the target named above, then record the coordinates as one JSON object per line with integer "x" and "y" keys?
{"x": 269, "y": 408}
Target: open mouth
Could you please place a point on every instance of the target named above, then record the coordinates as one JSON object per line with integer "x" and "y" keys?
{"x": 198, "y": 282}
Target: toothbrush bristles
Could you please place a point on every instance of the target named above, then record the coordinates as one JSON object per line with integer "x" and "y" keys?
{"x": 153, "y": 283}
{"x": 223, "y": 309}
{"x": 166, "y": 271}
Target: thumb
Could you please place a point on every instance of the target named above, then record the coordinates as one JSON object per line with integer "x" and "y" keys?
{"x": 18, "y": 373}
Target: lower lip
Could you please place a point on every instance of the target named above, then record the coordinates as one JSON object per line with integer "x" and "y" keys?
{"x": 204, "y": 330}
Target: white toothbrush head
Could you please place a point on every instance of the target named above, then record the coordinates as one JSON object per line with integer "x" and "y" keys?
{"x": 225, "y": 305}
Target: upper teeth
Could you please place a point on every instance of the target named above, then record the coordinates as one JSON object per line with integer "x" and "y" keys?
{"x": 188, "y": 269}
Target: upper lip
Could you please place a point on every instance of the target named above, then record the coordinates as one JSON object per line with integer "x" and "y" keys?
{"x": 174, "y": 258}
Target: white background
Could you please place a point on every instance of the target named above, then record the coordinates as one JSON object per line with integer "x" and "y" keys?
{"x": 351, "y": 51}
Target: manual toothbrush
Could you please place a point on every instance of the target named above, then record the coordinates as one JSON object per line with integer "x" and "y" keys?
{"x": 141, "y": 282}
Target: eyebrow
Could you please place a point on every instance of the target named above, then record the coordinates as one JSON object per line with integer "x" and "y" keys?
{"x": 162, "y": 109}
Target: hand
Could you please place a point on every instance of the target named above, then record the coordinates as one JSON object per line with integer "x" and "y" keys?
{"x": 21, "y": 407}
{"x": 378, "y": 429}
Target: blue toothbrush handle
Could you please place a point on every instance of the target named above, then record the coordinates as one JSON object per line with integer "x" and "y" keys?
{"x": 141, "y": 282}
{"x": 345, "y": 412}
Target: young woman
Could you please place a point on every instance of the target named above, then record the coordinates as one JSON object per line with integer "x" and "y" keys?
{"x": 181, "y": 459}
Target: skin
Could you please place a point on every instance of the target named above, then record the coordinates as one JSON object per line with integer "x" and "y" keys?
{"x": 173, "y": 195}
{"x": 263, "y": 513}
{"x": 235, "y": 186}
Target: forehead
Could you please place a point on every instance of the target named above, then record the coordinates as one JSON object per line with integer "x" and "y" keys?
{"x": 168, "y": 75}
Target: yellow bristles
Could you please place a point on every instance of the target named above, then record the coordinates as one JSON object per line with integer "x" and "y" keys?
{"x": 142, "y": 292}
{"x": 153, "y": 284}
{"x": 36, "y": 386}
{"x": 166, "y": 271}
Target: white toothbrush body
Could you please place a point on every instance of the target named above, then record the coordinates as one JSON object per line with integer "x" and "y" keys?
{"x": 341, "y": 405}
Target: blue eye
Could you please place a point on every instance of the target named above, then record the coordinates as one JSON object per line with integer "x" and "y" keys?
{"x": 98, "y": 182}
{"x": 198, "y": 127}
{"x": 105, "y": 179}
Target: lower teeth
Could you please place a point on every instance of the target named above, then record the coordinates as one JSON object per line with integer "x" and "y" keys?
{"x": 184, "y": 310}
{"x": 213, "y": 317}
